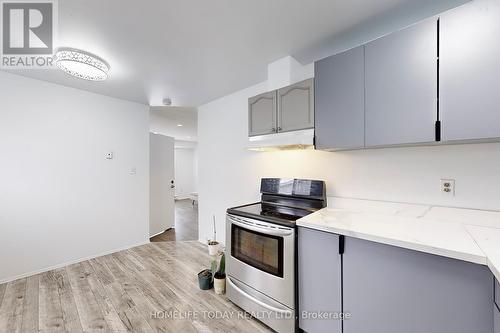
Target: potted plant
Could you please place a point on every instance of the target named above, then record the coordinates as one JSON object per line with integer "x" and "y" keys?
{"x": 213, "y": 245}
{"x": 205, "y": 279}
{"x": 220, "y": 277}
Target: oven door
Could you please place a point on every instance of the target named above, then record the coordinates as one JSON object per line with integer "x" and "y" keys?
{"x": 262, "y": 256}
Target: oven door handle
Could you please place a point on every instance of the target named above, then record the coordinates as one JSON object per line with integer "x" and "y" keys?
{"x": 264, "y": 230}
{"x": 258, "y": 301}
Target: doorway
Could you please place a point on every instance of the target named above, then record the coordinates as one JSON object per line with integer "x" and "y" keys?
{"x": 185, "y": 225}
{"x": 180, "y": 125}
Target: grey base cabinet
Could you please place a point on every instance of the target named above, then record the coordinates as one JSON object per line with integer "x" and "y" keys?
{"x": 388, "y": 289}
{"x": 319, "y": 279}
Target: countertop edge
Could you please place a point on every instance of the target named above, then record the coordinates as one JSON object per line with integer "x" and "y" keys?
{"x": 481, "y": 260}
{"x": 494, "y": 270}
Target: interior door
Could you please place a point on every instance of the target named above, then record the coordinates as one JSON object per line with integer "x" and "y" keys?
{"x": 161, "y": 186}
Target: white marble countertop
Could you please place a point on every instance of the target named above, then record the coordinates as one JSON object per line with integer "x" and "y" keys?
{"x": 436, "y": 230}
{"x": 488, "y": 240}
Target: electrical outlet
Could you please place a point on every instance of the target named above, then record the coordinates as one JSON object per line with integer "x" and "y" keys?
{"x": 448, "y": 187}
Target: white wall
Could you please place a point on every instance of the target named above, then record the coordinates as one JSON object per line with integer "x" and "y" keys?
{"x": 185, "y": 172}
{"x": 60, "y": 198}
{"x": 229, "y": 174}
{"x": 164, "y": 120}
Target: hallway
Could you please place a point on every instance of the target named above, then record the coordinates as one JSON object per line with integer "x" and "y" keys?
{"x": 186, "y": 223}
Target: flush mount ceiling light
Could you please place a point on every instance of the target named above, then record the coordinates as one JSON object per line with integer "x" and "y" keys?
{"x": 82, "y": 64}
{"x": 179, "y": 125}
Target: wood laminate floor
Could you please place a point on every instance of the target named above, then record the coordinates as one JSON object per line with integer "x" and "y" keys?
{"x": 150, "y": 288}
{"x": 186, "y": 223}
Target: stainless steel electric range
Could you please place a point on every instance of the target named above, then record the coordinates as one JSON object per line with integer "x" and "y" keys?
{"x": 261, "y": 242}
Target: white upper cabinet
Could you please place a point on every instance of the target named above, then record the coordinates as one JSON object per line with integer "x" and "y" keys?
{"x": 470, "y": 71}
{"x": 262, "y": 114}
{"x": 296, "y": 106}
{"x": 401, "y": 86}
{"x": 287, "y": 109}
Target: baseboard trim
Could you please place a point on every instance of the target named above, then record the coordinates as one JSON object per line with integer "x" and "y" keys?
{"x": 71, "y": 262}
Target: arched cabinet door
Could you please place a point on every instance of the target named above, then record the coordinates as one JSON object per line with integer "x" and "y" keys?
{"x": 262, "y": 114}
{"x": 296, "y": 106}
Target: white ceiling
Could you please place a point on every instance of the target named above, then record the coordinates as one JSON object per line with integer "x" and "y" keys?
{"x": 197, "y": 50}
{"x": 165, "y": 120}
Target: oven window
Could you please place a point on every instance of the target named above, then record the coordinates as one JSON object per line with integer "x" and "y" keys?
{"x": 264, "y": 252}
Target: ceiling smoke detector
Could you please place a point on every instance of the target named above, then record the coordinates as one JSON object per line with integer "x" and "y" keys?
{"x": 81, "y": 64}
{"x": 167, "y": 101}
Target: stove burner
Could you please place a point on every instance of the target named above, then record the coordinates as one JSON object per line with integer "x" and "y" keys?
{"x": 278, "y": 214}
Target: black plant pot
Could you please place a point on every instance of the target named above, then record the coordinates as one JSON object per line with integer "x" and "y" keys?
{"x": 205, "y": 279}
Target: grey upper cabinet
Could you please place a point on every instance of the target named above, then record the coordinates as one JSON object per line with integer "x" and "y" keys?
{"x": 401, "y": 86}
{"x": 470, "y": 71}
{"x": 392, "y": 290}
{"x": 262, "y": 114}
{"x": 497, "y": 293}
{"x": 319, "y": 279}
{"x": 339, "y": 88}
{"x": 296, "y": 106}
{"x": 496, "y": 308}
{"x": 496, "y": 320}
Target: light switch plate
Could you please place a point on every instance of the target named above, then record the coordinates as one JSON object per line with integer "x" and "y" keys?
{"x": 448, "y": 187}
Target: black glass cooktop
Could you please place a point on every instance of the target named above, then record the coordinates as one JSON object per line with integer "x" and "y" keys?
{"x": 270, "y": 212}
{"x": 283, "y": 201}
